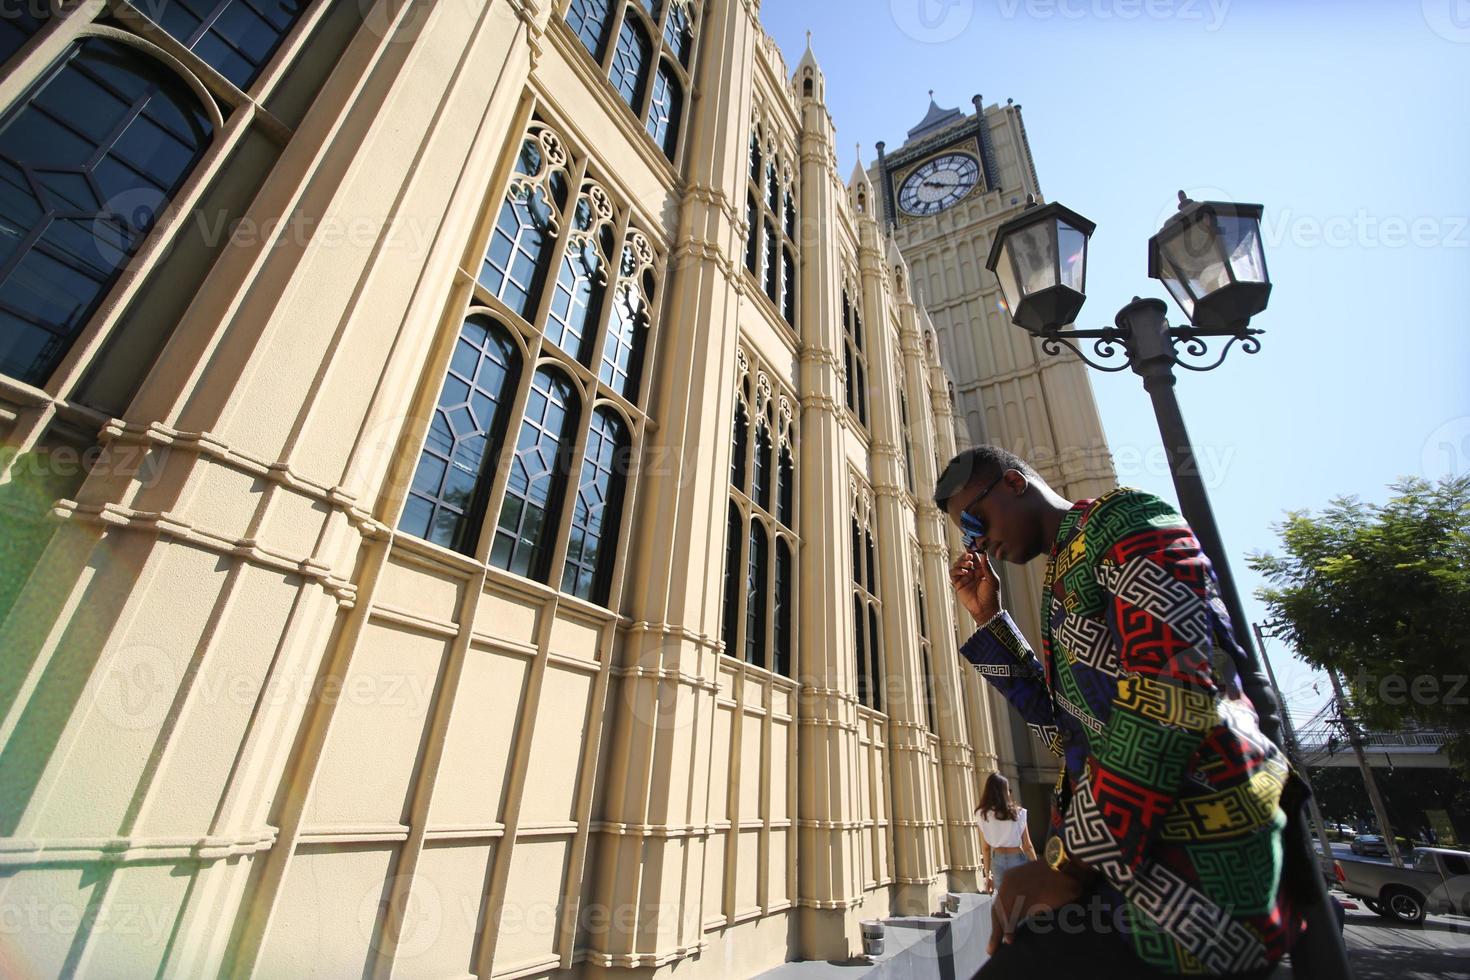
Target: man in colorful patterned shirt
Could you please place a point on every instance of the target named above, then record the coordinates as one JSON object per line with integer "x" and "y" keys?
{"x": 1166, "y": 817}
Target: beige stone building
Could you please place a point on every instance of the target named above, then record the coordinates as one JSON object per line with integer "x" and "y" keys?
{"x": 464, "y": 498}
{"x": 943, "y": 193}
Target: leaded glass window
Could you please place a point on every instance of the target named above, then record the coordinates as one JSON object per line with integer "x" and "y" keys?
{"x": 734, "y": 536}
{"x": 88, "y": 160}
{"x": 761, "y": 466}
{"x": 782, "y": 627}
{"x": 595, "y": 513}
{"x": 752, "y": 233}
{"x": 236, "y": 37}
{"x": 678, "y": 35}
{"x": 739, "y": 444}
{"x": 577, "y": 296}
{"x": 630, "y": 62}
{"x": 770, "y": 261}
{"x": 623, "y": 352}
{"x": 446, "y": 500}
{"x": 868, "y": 641}
{"x": 786, "y": 497}
{"x": 663, "y": 112}
{"x": 788, "y": 286}
{"x": 588, "y": 19}
{"x": 756, "y": 591}
{"x": 537, "y": 478}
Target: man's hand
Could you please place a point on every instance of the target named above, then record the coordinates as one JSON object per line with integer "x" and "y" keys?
{"x": 976, "y": 585}
{"x": 1026, "y": 890}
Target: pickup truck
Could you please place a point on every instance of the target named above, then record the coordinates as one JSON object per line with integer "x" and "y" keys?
{"x": 1433, "y": 880}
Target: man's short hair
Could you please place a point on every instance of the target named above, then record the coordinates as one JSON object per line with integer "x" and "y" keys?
{"x": 980, "y": 463}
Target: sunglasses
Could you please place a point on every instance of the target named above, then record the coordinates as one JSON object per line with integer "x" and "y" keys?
{"x": 972, "y": 527}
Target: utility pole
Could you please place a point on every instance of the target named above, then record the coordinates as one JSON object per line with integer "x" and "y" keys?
{"x": 1376, "y": 798}
{"x": 1294, "y": 748}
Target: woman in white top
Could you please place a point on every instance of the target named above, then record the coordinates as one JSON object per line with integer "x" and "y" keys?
{"x": 1005, "y": 842}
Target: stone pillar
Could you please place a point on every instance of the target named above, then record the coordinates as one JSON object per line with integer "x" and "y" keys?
{"x": 653, "y": 841}
{"x": 915, "y": 864}
{"x": 829, "y": 878}
{"x": 959, "y": 742}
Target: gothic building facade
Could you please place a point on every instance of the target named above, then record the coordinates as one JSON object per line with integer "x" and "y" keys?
{"x": 465, "y": 500}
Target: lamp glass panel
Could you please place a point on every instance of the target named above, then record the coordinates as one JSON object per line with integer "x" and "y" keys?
{"x": 1036, "y": 257}
{"x": 1194, "y": 252}
{"x": 1072, "y": 251}
{"x": 1180, "y": 294}
{"x": 1241, "y": 238}
{"x": 1005, "y": 271}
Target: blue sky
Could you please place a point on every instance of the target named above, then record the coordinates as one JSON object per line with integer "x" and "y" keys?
{"x": 1347, "y": 120}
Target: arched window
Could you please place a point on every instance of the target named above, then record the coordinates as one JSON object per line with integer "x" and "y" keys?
{"x": 752, "y": 233}
{"x": 734, "y": 535}
{"x": 868, "y": 641}
{"x": 595, "y": 515}
{"x": 875, "y": 659}
{"x": 663, "y": 112}
{"x": 630, "y": 63}
{"x": 806, "y": 85}
{"x": 756, "y": 592}
{"x": 855, "y": 360}
{"x": 678, "y": 34}
{"x": 88, "y": 160}
{"x": 236, "y": 37}
{"x": 782, "y": 624}
{"x": 860, "y": 651}
{"x": 786, "y": 497}
{"x": 755, "y": 157}
{"x": 447, "y": 498}
{"x": 908, "y": 440}
{"x": 738, "y": 445}
{"x": 788, "y": 209}
{"x": 761, "y": 467}
{"x": 622, "y": 354}
{"x": 926, "y": 660}
{"x": 788, "y": 286}
{"x": 514, "y": 264}
{"x": 588, "y": 20}
{"x": 580, "y": 285}
{"x": 538, "y": 476}
{"x": 773, "y": 188}
{"x": 770, "y": 261}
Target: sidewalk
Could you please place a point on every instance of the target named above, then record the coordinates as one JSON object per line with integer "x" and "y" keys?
{"x": 915, "y": 948}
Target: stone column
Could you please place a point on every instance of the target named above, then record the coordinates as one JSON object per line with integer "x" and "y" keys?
{"x": 829, "y": 878}
{"x": 653, "y": 842}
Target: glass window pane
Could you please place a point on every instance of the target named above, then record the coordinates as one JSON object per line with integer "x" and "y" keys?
{"x": 453, "y": 474}
{"x": 588, "y": 20}
{"x": 595, "y": 513}
{"x": 236, "y": 37}
{"x": 630, "y": 62}
{"x": 538, "y": 476}
{"x": 78, "y": 198}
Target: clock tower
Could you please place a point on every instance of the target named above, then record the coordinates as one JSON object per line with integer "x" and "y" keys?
{"x": 957, "y": 177}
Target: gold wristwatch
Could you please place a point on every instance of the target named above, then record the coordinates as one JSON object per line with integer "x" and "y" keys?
{"x": 1058, "y": 859}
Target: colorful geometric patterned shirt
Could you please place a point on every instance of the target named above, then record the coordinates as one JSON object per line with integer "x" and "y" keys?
{"x": 1168, "y": 788}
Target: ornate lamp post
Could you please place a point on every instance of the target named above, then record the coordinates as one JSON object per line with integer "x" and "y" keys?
{"x": 1209, "y": 258}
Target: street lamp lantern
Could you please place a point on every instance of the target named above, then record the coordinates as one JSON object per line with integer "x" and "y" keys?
{"x": 1210, "y": 259}
{"x": 1040, "y": 258}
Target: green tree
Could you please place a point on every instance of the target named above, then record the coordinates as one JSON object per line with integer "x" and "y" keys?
{"x": 1381, "y": 594}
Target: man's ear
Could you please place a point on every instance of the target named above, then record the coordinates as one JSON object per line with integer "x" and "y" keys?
{"x": 1017, "y": 482}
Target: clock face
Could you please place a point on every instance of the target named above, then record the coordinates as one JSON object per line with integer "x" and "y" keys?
{"x": 938, "y": 183}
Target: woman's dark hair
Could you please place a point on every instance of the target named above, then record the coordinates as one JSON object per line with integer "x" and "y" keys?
{"x": 996, "y": 799}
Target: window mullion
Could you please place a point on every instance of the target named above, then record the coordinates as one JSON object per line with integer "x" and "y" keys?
{"x": 619, "y": 13}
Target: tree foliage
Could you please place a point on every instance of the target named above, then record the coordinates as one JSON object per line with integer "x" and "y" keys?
{"x": 1381, "y": 594}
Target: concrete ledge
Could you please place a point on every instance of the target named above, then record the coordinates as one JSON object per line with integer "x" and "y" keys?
{"x": 915, "y": 948}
